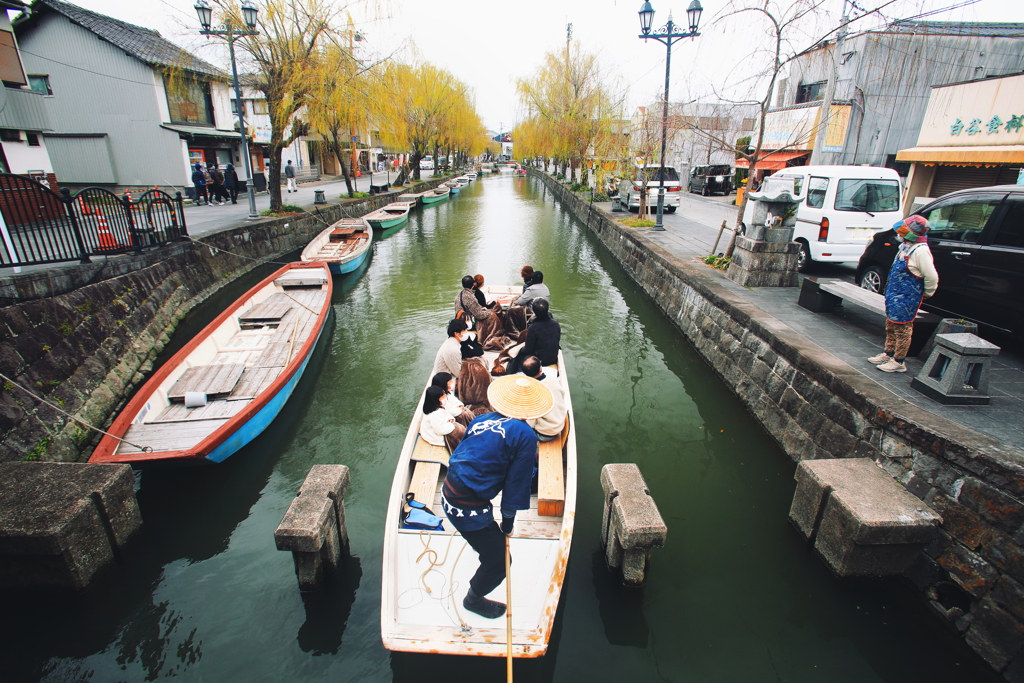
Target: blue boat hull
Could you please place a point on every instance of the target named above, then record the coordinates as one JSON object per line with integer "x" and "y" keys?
{"x": 261, "y": 420}
{"x": 348, "y": 266}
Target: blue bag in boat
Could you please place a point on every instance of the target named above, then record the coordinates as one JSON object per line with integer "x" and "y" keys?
{"x": 420, "y": 516}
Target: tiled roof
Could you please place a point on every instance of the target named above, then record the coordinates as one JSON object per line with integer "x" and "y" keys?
{"x": 958, "y": 28}
{"x": 144, "y": 44}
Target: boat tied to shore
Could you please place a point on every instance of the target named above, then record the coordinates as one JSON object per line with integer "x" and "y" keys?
{"x": 343, "y": 246}
{"x": 389, "y": 216}
{"x": 229, "y": 382}
{"x": 426, "y": 572}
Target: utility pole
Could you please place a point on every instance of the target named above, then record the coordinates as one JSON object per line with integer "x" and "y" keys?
{"x": 830, "y": 90}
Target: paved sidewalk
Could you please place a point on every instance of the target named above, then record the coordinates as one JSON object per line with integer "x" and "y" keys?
{"x": 852, "y": 333}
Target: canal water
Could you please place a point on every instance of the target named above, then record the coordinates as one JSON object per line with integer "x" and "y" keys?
{"x": 735, "y": 596}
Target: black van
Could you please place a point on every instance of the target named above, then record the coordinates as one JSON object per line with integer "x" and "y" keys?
{"x": 977, "y": 240}
{"x": 708, "y": 180}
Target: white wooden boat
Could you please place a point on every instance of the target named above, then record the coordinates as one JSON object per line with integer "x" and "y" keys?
{"x": 438, "y": 194}
{"x": 343, "y": 246}
{"x": 422, "y": 592}
{"x": 413, "y": 198}
{"x": 229, "y": 382}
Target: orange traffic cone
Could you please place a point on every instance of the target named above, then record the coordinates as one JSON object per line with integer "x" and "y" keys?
{"x": 106, "y": 237}
{"x": 86, "y": 209}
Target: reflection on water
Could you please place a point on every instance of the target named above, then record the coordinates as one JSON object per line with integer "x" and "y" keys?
{"x": 736, "y": 595}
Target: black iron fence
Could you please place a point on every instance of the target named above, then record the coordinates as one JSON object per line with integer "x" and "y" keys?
{"x": 42, "y": 226}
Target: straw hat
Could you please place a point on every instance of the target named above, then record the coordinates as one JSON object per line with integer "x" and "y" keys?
{"x": 520, "y": 397}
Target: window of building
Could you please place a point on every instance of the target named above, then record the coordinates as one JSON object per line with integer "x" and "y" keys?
{"x": 189, "y": 101}
{"x": 32, "y": 139}
{"x": 8, "y": 135}
{"x": 259, "y": 106}
{"x": 749, "y": 124}
{"x": 810, "y": 92}
{"x": 40, "y": 84}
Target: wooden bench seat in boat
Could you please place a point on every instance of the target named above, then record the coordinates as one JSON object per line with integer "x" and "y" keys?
{"x": 551, "y": 475}
{"x": 271, "y": 310}
{"x": 301, "y": 277}
{"x": 177, "y": 412}
{"x": 216, "y": 381}
{"x": 172, "y": 436}
{"x": 427, "y": 460}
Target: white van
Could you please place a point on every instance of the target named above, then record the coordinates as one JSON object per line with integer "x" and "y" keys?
{"x": 629, "y": 190}
{"x": 841, "y": 208}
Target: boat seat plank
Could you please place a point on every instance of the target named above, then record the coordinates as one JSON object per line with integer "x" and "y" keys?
{"x": 177, "y": 412}
{"x": 267, "y": 311}
{"x": 302, "y": 277}
{"x": 173, "y": 436}
{"x": 283, "y": 333}
{"x": 338, "y": 233}
{"x": 551, "y": 476}
{"x": 426, "y": 452}
{"x": 424, "y": 481}
{"x": 277, "y": 355}
{"x": 213, "y": 380}
{"x": 253, "y": 381}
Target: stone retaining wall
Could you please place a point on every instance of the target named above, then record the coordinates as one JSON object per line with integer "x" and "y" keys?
{"x": 817, "y": 406}
{"x": 84, "y": 336}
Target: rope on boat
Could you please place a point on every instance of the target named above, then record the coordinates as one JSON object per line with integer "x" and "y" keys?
{"x": 451, "y": 575}
{"x": 144, "y": 449}
{"x": 247, "y": 258}
{"x": 317, "y": 313}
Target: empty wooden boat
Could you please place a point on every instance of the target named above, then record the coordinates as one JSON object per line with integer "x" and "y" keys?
{"x": 343, "y": 246}
{"x": 438, "y": 194}
{"x": 411, "y": 197}
{"x": 390, "y": 216}
{"x": 422, "y": 591}
{"x": 229, "y": 382}
{"x": 454, "y": 186}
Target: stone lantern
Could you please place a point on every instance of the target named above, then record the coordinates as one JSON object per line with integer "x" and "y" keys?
{"x": 766, "y": 256}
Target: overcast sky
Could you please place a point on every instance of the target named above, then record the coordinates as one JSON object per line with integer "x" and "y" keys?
{"x": 489, "y": 44}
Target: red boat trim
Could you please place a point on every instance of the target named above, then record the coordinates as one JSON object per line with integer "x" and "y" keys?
{"x": 106, "y": 451}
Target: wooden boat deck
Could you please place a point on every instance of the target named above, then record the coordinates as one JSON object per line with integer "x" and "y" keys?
{"x": 268, "y": 335}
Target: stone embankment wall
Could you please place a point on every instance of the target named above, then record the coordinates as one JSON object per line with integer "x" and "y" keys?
{"x": 83, "y": 337}
{"x": 817, "y": 406}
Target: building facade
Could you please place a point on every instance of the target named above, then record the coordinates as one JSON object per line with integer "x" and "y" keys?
{"x": 883, "y": 83}
{"x": 972, "y": 136}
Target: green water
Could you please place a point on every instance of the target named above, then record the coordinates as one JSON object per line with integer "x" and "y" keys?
{"x": 735, "y": 596}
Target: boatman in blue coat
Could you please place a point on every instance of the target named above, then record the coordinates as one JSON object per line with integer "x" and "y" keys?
{"x": 497, "y": 455}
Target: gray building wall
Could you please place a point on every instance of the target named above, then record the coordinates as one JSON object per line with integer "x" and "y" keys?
{"x": 105, "y": 92}
{"x": 888, "y": 78}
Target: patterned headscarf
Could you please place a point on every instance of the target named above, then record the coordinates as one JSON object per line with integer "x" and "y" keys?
{"x": 913, "y": 229}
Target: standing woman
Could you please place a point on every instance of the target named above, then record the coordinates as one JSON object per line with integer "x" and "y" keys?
{"x": 912, "y": 279}
{"x": 231, "y": 182}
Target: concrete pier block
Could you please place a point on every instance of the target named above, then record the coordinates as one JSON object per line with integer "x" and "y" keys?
{"x": 631, "y": 524}
{"x": 861, "y": 522}
{"x": 957, "y": 369}
{"x": 313, "y": 529}
{"x": 61, "y": 523}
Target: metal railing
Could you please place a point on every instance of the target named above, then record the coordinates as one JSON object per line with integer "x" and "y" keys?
{"x": 41, "y": 226}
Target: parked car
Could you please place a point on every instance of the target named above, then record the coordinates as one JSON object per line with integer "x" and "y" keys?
{"x": 427, "y": 163}
{"x": 629, "y": 190}
{"x": 977, "y": 239}
{"x": 841, "y": 208}
{"x": 708, "y": 180}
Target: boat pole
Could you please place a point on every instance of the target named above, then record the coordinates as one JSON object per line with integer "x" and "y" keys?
{"x": 508, "y": 610}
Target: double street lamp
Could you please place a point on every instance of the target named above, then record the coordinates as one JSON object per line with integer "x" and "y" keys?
{"x": 230, "y": 33}
{"x": 668, "y": 35}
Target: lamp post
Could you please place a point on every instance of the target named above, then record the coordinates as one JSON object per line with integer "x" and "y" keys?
{"x": 230, "y": 33}
{"x": 668, "y": 35}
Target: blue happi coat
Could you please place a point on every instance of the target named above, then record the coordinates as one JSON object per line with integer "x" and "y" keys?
{"x": 497, "y": 454}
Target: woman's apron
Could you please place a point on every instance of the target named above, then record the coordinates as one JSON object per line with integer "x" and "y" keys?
{"x": 904, "y": 291}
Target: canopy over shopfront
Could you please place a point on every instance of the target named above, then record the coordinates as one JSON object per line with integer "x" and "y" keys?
{"x": 776, "y": 161}
{"x": 964, "y": 156}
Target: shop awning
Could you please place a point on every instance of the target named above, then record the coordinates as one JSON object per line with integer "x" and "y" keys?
{"x": 191, "y": 132}
{"x": 967, "y": 156}
{"x": 776, "y": 161}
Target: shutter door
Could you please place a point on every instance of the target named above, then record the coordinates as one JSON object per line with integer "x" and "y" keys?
{"x": 1008, "y": 175}
{"x": 952, "y": 178}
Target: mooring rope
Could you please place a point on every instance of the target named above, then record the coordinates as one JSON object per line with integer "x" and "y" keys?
{"x": 144, "y": 449}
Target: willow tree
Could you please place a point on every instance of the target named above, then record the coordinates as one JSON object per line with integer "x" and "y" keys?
{"x": 425, "y": 108}
{"x": 571, "y": 101}
{"x": 286, "y": 58}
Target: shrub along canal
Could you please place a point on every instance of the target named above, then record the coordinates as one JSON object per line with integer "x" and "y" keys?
{"x": 735, "y": 596}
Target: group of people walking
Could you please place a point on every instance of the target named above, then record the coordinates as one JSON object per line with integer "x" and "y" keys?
{"x": 493, "y": 426}
{"x": 213, "y": 186}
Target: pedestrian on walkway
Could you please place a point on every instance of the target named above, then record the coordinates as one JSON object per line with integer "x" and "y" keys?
{"x": 912, "y": 279}
{"x": 199, "y": 181}
{"x": 231, "y": 182}
{"x": 217, "y": 185}
{"x": 289, "y": 173}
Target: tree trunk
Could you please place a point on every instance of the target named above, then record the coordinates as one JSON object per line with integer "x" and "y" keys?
{"x": 274, "y": 175}
{"x": 339, "y": 153}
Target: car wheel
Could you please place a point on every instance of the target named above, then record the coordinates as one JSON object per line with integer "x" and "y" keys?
{"x": 803, "y": 259}
{"x": 670, "y": 209}
{"x": 873, "y": 279}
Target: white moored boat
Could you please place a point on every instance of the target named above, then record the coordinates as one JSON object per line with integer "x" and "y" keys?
{"x": 426, "y": 573}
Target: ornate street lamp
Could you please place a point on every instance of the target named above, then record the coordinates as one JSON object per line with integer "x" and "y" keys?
{"x": 667, "y": 35}
{"x": 230, "y": 33}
